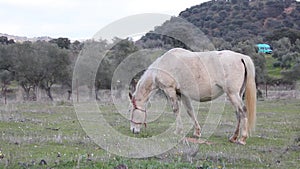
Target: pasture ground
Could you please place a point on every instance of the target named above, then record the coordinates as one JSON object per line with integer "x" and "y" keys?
{"x": 48, "y": 135}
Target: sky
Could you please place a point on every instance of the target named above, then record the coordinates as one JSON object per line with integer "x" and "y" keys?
{"x": 77, "y": 19}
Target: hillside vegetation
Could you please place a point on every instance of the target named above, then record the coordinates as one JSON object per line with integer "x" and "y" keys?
{"x": 239, "y": 25}
{"x": 236, "y": 21}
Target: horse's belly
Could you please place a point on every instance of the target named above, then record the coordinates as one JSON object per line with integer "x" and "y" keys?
{"x": 206, "y": 94}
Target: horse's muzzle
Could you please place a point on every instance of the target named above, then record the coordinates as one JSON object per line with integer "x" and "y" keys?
{"x": 134, "y": 131}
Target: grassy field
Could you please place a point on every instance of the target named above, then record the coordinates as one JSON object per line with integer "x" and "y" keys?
{"x": 48, "y": 135}
{"x": 271, "y": 71}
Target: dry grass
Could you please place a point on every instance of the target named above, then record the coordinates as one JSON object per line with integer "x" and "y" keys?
{"x": 32, "y": 132}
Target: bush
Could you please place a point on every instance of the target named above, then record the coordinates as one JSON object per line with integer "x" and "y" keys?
{"x": 277, "y": 64}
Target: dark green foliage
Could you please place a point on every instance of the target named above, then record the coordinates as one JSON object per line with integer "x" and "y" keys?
{"x": 287, "y": 57}
{"x": 248, "y": 48}
{"x": 239, "y": 25}
{"x": 62, "y": 42}
{"x": 292, "y": 34}
{"x": 35, "y": 65}
{"x": 236, "y": 21}
{"x": 5, "y": 57}
{"x": 5, "y": 79}
{"x": 121, "y": 49}
{"x": 277, "y": 64}
{"x": 292, "y": 74}
{"x": 4, "y": 40}
{"x": 76, "y": 46}
{"x": 262, "y": 17}
{"x": 177, "y": 32}
{"x": 155, "y": 40}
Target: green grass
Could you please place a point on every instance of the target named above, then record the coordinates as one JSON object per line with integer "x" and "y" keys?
{"x": 271, "y": 70}
{"x": 31, "y": 132}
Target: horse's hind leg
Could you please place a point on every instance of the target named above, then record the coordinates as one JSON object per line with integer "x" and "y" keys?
{"x": 238, "y": 104}
{"x": 187, "y": 103}
{"x": 236, "y": 133}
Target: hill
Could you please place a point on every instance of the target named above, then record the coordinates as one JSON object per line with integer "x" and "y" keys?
{"x": 24, "y": 38}
{"x": 239, "y": 25}
{"x": 239, "y": 20}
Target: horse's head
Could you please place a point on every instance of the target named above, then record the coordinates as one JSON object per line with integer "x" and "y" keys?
{"x": 137, "y": 116}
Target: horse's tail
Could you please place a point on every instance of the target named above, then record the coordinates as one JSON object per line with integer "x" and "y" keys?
{"x": 250, "y": 92}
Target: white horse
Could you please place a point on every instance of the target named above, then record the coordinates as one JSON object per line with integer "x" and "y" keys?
{"x": 201, "y": 76}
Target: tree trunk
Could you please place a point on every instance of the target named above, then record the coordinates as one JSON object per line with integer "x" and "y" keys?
{"x": 90, "y": 93}
{"x": 5, "y": 98}
{"x": 37, "y": 93}
{"x": 26, "y": 90}
{"x": 96, "y": 94}
{"x": 77, "y": 90}
{"x": 4, "y": 90}
{"x": 49, "y": 94}
{"x": 266, "y": 85}
{"x": 69, "y": 94}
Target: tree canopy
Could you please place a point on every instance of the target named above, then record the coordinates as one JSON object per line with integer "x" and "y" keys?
{"x": 236, "y": 25}
{"x": 35, "y": 65}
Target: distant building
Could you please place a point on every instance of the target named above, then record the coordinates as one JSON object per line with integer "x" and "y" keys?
{"x": 264, "y": 48}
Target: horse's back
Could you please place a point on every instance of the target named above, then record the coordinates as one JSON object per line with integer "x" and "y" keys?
{"x": 203, "y": 75}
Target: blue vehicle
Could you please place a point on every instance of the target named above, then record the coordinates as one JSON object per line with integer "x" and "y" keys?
{"x": 264, "y": 48}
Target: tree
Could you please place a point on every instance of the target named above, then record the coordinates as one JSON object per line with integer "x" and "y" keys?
{"x": 278, "y": 34}
{"x": 120, "y": 50}
{"x": 5, "y": 80}
{"x": 6, "y": 60}
{"x": 90, "y": 58}
{"x": 39, "y": 65}
{"x": 178, "y": 32}
{"x": 248, "y": 48}
{"x": 4, "y": 40}
{"x": 292, "y": 74}
{"x": 283, "y": 52}
{"x": 76, "y": 46}
{"x": 24, "y": 66}
{"x": 63, "y": 43}
{"x": 55, "y": 66}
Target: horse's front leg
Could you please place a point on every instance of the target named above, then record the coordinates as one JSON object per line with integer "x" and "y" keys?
{"x": 188, "y": 105}
{"x": 171, "y": 93}
{"x": 175, "y": 107}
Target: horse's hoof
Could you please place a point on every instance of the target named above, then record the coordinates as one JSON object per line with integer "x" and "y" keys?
{"x": 178, "y": 132}
{"x": 241, "y": 142}
{"x": 233, "y": 139}
{"x": 197, "y": 134}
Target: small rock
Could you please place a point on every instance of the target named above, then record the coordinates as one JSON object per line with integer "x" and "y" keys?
{"x": 43, "y": 162}
{"x": 1, "y": 155}
{"x": 121, "y": 166}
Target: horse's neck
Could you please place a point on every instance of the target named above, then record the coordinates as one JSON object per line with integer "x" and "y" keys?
{"x": 143, "y": 90}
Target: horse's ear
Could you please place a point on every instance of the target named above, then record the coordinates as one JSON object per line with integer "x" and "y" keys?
{"x": 133, "y": 85}
{"x": 135, "y": 81}
{"x": 130, "y": 96}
